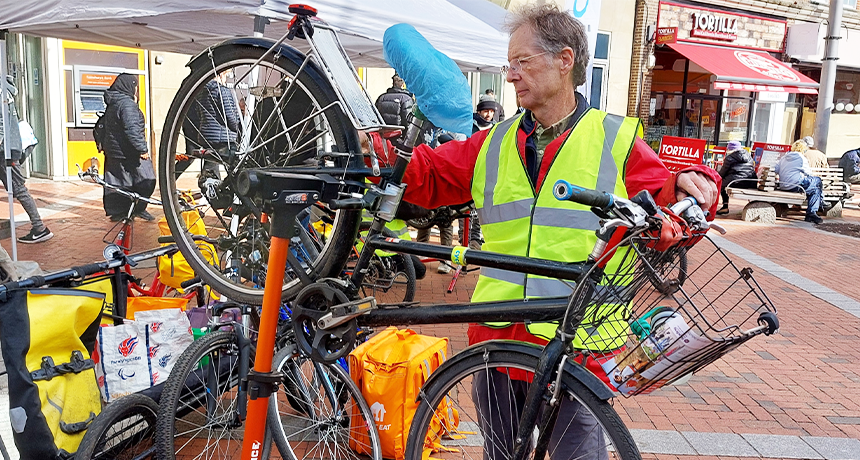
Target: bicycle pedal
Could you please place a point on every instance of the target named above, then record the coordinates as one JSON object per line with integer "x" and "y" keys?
{"x": 344, "y": 312}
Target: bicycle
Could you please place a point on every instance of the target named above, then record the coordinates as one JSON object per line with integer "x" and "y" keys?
{"x": 123, "y": 234}
{"x": 203, "y": 403}
{"x": 326, "y": 313}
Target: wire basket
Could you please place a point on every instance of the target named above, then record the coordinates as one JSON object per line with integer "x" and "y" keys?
{"x": 659, "y": 316}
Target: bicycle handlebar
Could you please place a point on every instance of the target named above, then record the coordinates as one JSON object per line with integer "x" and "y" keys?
{"x": 98, "y": 180}
{"x": 564, "y": 190}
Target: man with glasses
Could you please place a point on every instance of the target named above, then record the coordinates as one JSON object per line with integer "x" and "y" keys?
{"x": 509, "y": 172}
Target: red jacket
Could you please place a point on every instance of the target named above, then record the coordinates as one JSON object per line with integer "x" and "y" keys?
{"x": 443, "y": 176}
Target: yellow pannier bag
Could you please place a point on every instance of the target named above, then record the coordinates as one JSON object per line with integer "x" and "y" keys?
{"x": 47, "y": 337}
{"x": 390, "y": 369}
{"x": 174, "y": 270}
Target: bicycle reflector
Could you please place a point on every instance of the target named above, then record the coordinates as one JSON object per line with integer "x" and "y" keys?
{"x": 301, "y": 9}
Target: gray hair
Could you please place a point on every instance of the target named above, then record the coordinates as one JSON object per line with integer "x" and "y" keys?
{"x": 555, "y": 30}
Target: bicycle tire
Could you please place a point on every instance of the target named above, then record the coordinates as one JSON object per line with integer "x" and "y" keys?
{"x": 670, "y": 275}
{"x": 302, "y": 417}
{"x": 243, "y": 245}
{"x": 454, "y": 383}
{"x": 123, "y": 430}
{"x": 197, "y": 411}
{"x": 390, "y": 278}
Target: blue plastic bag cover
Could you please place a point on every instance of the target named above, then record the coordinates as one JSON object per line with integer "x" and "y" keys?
{"x": 441, "y": 90}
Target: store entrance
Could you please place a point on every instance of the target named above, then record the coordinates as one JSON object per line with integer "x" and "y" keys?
{"x": 700, "y": 118}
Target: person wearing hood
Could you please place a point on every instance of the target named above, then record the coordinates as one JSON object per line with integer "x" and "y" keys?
{"x": 738, "y": 171}
{"x": 128, "y": 164}
{"x": 38, "y": 231}
{"x": 795, "y": 176}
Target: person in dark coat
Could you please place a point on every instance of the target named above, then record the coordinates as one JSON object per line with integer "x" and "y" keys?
{"x": 396, "y": 103}
{"x": 850, "y": 164}
{"x": 128, "y": 163}
{"x": 738, "y": 171}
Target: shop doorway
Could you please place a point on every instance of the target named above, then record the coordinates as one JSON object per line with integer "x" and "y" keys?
{"x": 700, "y": 118}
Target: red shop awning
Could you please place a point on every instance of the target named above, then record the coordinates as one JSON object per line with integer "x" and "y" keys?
{"x": 746, "y": 70}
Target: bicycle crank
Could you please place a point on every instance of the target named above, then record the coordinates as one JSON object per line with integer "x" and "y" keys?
{"x": 315, "y": 302}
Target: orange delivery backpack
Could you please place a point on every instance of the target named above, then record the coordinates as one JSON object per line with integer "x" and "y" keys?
{"x": 390, "y": 369}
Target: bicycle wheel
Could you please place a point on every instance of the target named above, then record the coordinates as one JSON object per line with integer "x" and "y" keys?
{"x": 318, "y": 412}
{"x": 670, "y": 271}
{"x": 390, "y": 277}
{"x": 487, "y": 424}
{"x": 124, "y": 430}
{"x": 285, "y": 116}
{"x": 198, "y": 414}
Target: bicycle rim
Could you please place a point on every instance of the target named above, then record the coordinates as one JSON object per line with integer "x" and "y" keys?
{"x": 282, "y": 116}
{"x": 587, "y": 427}
{"x": 320, "y": 413}
{"x": 198, "y": 415}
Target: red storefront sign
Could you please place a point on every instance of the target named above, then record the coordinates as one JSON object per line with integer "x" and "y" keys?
{"x": 667, "y": 35}
{"x": 770, "y": 152}
{"x": 678, "y": 153}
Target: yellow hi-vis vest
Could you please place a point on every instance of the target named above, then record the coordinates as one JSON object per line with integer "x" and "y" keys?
{"x": 517, "y": 221}
{"x": 398, "y": 226}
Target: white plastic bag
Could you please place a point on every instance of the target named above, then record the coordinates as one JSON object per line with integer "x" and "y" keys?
{"x": 122, "y": 365}
{"x": 168, "y": 334}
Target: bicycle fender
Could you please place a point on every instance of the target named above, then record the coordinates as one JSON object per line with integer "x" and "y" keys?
{"x": 283, "y": 50}
{"x": 591, "y": 381}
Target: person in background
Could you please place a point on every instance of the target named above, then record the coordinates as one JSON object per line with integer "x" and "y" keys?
{"x": 396, "y": 103}
{"x": 816, "y": 158}
{"x": 795, "y": 176}
{"x": 483, "y": 117}
{"x": 850, "y": 164}
{"x": 509, "y": 172}
{"x": 738, "y": 171}
{"x": 490, "y": 95}
{"x": 38, "y": 231}
{"x": 127, "y": 160}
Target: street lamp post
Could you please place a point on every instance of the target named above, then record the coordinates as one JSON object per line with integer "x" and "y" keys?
{"x": 828, "y": 74}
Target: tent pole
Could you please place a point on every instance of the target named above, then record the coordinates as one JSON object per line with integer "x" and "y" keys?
{"x": 7, "y": 147}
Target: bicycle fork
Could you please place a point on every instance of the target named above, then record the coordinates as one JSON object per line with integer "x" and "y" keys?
{"x": 548, "y": 371}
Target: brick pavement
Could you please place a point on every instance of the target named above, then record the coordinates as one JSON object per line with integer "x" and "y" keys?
{"x": 802, "y": 385}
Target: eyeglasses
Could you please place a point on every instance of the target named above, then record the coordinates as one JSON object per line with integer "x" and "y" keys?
{"x": 517, "y": 65}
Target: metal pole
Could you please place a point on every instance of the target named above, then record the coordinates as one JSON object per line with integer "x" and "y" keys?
{"x": 7, "y": 149}
{"x": 828, "y": 75}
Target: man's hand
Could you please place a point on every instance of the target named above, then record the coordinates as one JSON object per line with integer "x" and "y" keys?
{"x": 699, "y": 186}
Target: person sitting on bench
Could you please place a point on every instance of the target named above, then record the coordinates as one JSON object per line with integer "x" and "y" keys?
{"x": 850, "y": 164}
{"x": 738, "y": 171}
{"x": 795, "y": 176}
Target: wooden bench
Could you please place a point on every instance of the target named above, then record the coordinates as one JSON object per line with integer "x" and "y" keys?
{"x": 766, "y": 202}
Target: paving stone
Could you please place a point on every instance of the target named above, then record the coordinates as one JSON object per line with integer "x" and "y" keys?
{"x": 835, "y": 448}
{"x": 721, "y": 444}
{"x": 767, "y": 356}
{"x": 844, "y": 420}
{"x": 775, "y": 446}
{"x": 662, "y": 442}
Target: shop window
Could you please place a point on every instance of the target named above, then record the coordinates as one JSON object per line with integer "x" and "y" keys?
{"x": 599, "y": 72}
{"x": 850, "y": 3}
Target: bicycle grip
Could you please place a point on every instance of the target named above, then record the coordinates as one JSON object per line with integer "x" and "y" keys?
{"x": 186, "y": 284}
{"x": 89, "y": 269}
{"x": 564, "y": 190}
{"x": 347, "y": 203}
{"x": 166, "y": 239}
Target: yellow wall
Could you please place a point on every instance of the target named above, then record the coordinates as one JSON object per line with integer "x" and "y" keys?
{"x": 80, "y": 151}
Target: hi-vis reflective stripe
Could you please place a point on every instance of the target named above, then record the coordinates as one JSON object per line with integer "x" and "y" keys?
{"x": 492, "y": 213}
{"x": 504, "y": 275}
{"x": 608, "y": 173}
{"x": 401, "y": 231}
{"x": 548, "y": 287}
{"x": 566, "y": 218}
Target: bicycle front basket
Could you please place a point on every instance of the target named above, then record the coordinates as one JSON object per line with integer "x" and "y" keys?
{"x": 658, "y": 316}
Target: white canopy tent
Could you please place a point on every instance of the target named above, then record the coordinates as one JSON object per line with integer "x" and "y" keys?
{"x": 468, "y": 31}
{"x": 474, "y": 42}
